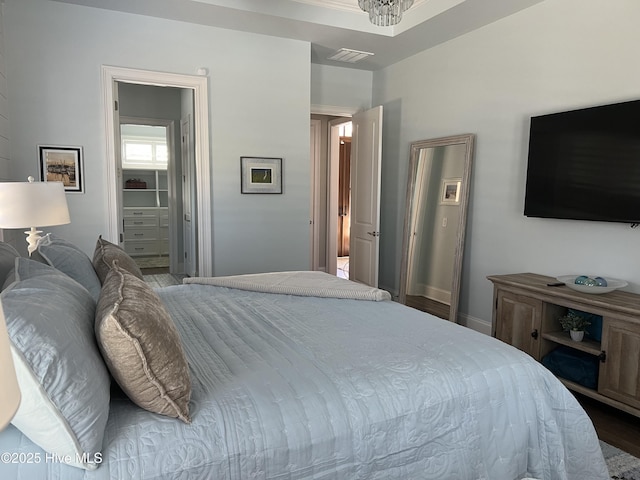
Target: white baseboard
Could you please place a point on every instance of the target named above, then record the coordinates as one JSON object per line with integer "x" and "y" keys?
{"x": 433, "y": 293}
{"x": 474, "y": 323}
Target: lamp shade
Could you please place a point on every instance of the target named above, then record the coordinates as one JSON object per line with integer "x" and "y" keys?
{"x": 9, "y": 391}
{"x": 32, "y": 204}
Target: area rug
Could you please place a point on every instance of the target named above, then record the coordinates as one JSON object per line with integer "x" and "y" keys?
{"x": 622, "y": 466}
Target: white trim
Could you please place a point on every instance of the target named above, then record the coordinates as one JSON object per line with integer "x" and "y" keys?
{"x": 199, "y": 85}
{"x": 344, "y": 5}
{"x": 474, "y": 323}
{"x": 433, "y": 293}
{"x": 333, "y": 110}
{"x": 335, "y": 4}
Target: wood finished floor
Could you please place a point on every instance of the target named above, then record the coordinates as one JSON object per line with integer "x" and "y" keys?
{"x": 614, "y": 427}
{"x": 154, "y": 271}
{"x": 427, "y": 305}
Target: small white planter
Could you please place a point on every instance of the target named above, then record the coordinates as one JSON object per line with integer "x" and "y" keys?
{"x": 576, "y": 335}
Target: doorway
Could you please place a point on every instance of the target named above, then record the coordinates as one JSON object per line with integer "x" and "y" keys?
{"x": 197, "y": 87}
{"x": 344, "y": 200}
{"x": 364, "y": 195}
{"x": 339, "y": 196}
{"x": 151, "y": 167}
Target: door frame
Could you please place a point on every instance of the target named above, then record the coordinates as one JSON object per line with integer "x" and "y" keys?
{"x": 199, "y": 85}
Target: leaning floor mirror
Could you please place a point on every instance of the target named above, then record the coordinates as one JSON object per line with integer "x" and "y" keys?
{"x": 434, "y": 227}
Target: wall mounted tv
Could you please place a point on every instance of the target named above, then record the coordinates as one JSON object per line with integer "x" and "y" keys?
{"x": 585, "y": 164}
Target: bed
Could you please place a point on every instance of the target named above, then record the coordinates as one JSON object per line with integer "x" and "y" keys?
{"x": 304, "y": 385}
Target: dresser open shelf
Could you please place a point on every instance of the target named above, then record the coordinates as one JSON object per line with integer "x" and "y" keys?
{"x": 526, "y": 312}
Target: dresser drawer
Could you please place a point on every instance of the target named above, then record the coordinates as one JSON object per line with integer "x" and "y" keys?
{"x": 136, "y": 222}
{"x": 132, "y": 212}
{"x": 141, "y": 247}
{"x": 140, "y": 233}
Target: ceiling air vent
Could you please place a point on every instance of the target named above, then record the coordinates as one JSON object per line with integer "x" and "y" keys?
{"x": 349, "y": 56}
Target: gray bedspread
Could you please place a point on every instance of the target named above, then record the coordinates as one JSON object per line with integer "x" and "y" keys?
{"x": 288, "y": 387}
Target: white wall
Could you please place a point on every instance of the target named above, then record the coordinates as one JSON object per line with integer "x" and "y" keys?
{"x": 5, "y": 158}
{"x": 259, "y": 106}
{"x": 338, "y": 90}
{"x": 4, "y": 113}
{"x": 554, "y": 56}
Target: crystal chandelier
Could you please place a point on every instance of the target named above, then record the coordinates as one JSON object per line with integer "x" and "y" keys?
{"x": 385, "y": 13}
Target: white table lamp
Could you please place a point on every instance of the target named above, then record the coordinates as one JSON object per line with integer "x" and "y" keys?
{"x": 9, "y": 391}
{"x": 32, "y": 204}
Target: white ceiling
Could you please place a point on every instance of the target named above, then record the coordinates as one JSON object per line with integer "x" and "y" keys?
{"x": 331, "y": 24}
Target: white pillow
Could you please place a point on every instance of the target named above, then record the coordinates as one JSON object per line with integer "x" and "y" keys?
{"x": 62, "y": 377}
{"x": 68, "y": 258}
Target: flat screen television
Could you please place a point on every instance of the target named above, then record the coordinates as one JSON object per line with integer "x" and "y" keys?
{"x": 585, "y": 164}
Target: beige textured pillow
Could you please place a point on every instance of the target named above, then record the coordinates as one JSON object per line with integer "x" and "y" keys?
{"x": 141, "y": 345}
{"x": 104, "y": 255}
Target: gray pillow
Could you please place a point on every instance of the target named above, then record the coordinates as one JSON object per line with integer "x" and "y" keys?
{"x": 69, "y": 259}
{"x": 63, "y": 380}
{"x": 8, "y": 256}
{"x": 141, "y": 345}
{"x": 104, "y": 256}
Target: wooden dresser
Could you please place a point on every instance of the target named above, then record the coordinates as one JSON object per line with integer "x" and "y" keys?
{"x": 526, "y": 313}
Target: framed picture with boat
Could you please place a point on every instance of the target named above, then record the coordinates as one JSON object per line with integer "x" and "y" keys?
{"x": 62, "y": 164}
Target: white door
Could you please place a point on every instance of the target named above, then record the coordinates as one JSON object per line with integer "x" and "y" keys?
{"x": 366, "y": 159}
{"x": 314, "y": 226}
{"x": 117, "y": 155}
{"x": 188, "y": 226}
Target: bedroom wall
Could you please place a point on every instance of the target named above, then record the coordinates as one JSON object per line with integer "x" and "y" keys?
{"x": 5, "y": 158}
{"x": 259, "y": 94}
{"x": 4, "y": 113}
{"x": 554, "y": 56}
{"x": 340, "y": 90}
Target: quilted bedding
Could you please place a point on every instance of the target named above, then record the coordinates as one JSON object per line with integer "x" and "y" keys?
{"x": 288, "y": 387}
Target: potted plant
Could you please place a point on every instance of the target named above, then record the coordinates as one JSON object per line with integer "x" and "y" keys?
{"x": 575, "y": 325}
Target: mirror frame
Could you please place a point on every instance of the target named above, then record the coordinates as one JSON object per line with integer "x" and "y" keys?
{"x": 468, "y": 140}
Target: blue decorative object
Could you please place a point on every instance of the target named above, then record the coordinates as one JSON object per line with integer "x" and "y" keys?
{"x": 593, "y": 284}
{"x": 601, "y": 282}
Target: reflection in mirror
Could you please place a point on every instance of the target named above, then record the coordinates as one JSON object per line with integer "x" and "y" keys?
{"x": 434, "y": 228}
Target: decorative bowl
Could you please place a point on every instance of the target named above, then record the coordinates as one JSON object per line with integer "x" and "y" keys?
{"x": 612, "y": 284}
